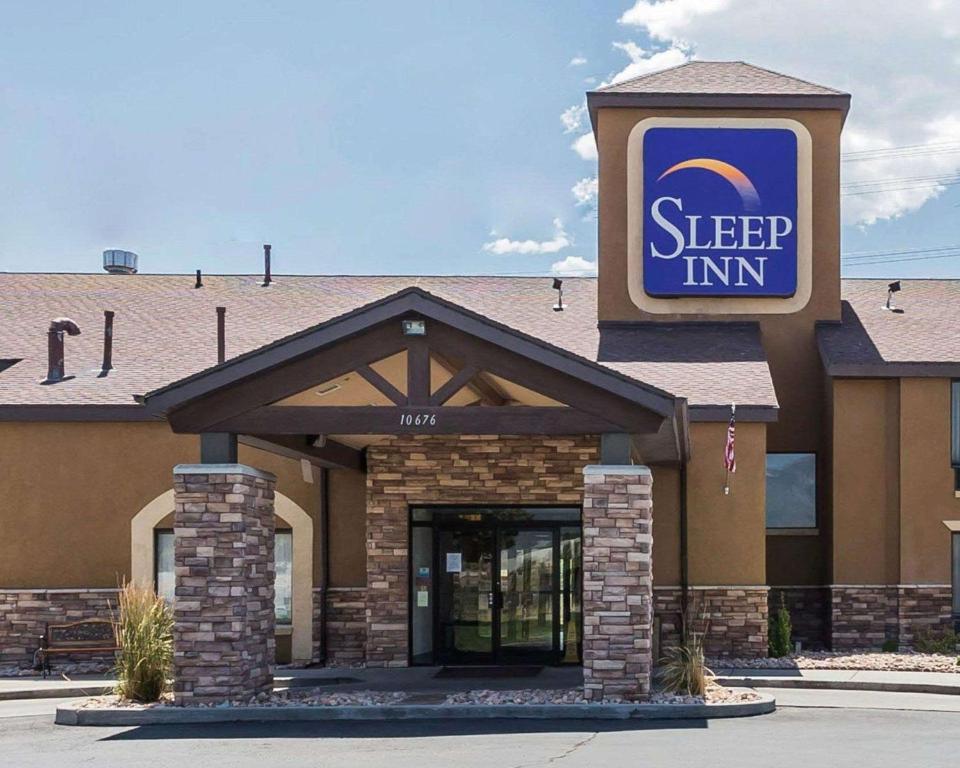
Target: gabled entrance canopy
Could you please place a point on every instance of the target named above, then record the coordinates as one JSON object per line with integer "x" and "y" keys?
{"x": 451, "y": 371}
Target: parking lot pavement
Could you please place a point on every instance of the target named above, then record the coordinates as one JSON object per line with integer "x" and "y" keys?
{"x": 793, "y": 736}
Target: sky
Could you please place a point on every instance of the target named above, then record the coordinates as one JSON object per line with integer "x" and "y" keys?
{"x": 426, "y": 137}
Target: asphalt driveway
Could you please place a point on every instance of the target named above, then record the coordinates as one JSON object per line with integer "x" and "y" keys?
{"x": 794, "y": 736}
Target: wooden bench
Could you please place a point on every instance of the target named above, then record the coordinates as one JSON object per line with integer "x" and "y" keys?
{"x": 90, "y": 636}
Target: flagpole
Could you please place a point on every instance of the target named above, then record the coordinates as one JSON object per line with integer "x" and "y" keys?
{"x": 726, "y": 464}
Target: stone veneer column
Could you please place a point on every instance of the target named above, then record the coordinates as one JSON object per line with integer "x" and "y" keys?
{"x": 617, "y": 582}
{"x": 223, "y": 636}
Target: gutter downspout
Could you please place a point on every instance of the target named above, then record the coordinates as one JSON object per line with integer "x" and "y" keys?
{"x": 684, "y": 566}
{"x": 325, "y": 559}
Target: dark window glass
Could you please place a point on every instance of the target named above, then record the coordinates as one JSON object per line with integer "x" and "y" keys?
{"x": 956, "y": 574}
{"x": 791, "y": 490}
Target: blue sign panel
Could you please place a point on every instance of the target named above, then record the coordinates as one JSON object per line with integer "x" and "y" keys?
{"x": 719, "y": 212}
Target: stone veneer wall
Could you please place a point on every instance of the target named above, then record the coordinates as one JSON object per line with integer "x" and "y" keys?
{"x": 809, "y": 609}
{"x": 617, "y": 582}
{"x": 735, "y": 618}
{"x": 224, "y": 633}
{"x": 25, "y": 613}
{"x": 450, "y": 469}
{"x": 346, "y": 624}
{"x": 866, "y": 616}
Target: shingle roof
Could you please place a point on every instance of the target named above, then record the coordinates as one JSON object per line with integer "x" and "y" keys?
{"x": 919, "y": 339}
{"x": 165, "y": 330}
{"x": 720, "y": 77}
{"x": 716, "y": 84}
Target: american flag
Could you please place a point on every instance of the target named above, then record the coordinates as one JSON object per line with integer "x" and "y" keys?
{"x": 729, "y": 454}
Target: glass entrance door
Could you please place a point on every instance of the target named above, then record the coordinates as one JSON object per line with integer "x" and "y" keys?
{"x": 495, "y": 585}
{"x": 528, "y": 595}
{"x": 466, "y": 596}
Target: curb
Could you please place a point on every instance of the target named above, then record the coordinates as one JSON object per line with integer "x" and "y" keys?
{"x": 72, "y": 714}
{"x": 836, "y": 685}
{"x": 55, "y": 693}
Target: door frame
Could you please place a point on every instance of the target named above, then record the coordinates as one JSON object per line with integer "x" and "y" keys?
{"x": 495, "y": 527}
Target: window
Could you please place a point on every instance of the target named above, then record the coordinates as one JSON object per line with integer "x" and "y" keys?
{"x": 283, "y": 582}
{"x": 791, "y": 490}
{"x": 163, "y": 558}
{"x": 955, "y": 571}
{"x": 164, "y": 577}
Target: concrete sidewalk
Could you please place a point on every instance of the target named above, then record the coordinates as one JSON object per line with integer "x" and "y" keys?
{"x": 843, "y": 679}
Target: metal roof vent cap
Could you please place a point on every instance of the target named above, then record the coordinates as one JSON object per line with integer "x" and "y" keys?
{"x": 118, "y": 262}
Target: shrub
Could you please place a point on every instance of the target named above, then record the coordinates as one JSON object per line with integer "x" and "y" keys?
{"x": 144, "y": 632}
{"x": 684, "y": 670}
{"x": 890, "y": 646}
{"x": 927, "y": 641}
{"x": 780, "y": 632}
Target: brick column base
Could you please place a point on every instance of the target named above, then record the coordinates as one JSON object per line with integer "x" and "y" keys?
{"x": 617, "y": 582}
{"x": 223, "y": 636}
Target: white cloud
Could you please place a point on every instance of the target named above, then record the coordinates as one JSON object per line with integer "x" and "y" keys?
{"x": 573, "y": 117}
{"x": 505, "y": 245}
{"x": 668, "y": 19}
{"x": 585, "y": 146}
{"x": 644, "y": 62}
{"x": 573, "y": 266}
{"x": 898, "y": 60}
{"x": 577, "y": 61}
{"x": 585, "y": 190}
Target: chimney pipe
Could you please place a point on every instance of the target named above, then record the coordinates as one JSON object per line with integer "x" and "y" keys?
{"x": 199, "y": 283}
{"x": 267, "y": 278}
{"x": 55, "y": 366}
{"x": 221, "y": 334}
{"x": 107, "y": 342}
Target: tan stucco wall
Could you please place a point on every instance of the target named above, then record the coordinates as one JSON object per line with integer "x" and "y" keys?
{"x": 71, "y": 489}
{"x": 666, "y": 526}
{"x": 865, "y": 481}
{"x": 726, "y": 533}
{"x": 926, "y": 481}
{"x": 348, "y": 531}
{"x": 893, "y": 483}
{"x": 788, "y": 339}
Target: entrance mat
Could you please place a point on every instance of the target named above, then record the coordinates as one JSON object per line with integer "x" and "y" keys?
{"x": 463, "y": 673}
{"x": 317, "y": 682}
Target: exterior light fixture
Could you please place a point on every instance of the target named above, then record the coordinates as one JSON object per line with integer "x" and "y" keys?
{"x": 892, "y": 288}
{"x": 414, "y": 327}
{"x": 558, "y": 287}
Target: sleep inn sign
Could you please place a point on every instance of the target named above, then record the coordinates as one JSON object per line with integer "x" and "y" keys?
{"x": 442, "y": 470}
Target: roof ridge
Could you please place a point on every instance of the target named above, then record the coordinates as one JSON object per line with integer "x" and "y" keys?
{"x": 794, "y": 77}
{"x": 619, "y": 83}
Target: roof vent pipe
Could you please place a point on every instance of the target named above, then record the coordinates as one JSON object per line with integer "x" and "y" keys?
{"x": 199, "y": 283}
{"x": 55, "y": 366}
{"x": 267, "y": 278}
{"x": 107, "y": 342}
{"x": 221, "y": 334}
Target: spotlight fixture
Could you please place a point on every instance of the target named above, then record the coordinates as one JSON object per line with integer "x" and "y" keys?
{"x": 892, "y": 288}
{"x": 558, "y": 287}
{"x": 414, "y": 327}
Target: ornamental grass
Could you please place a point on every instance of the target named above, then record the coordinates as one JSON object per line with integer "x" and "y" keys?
{"x": 683, "y": 668}
{"x": 144, "y": 634}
